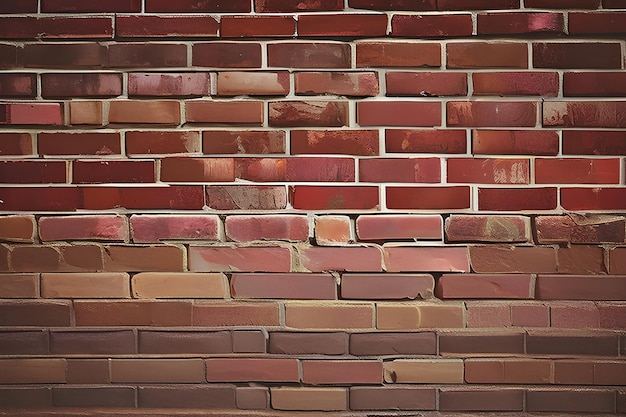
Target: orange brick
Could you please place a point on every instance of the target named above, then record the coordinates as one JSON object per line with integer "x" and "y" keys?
{"x": 18, "y": 228}
{"x": 179, "y": 285}
{"x": 86, "y": 113}
{"x": 309, "y": 399}
{"x": 135, "y": 111}
{"x": 329, "y": 315}
{"x": 19, "y": 285}
{"x": 391, "y": 316}
{"x": 85, "y": 285}
{"x": 333, "y": 230}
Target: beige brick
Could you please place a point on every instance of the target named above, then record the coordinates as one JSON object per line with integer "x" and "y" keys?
{"x": 85, "y": 285}
{"x": 179, "y": 285}
{"x": 306, "y": 399}
{"x": 407, "y": 316}
{"x": 447, "y": 371}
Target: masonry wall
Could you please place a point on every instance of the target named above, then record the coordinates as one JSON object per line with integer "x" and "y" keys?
{"x": 271, "y": 206}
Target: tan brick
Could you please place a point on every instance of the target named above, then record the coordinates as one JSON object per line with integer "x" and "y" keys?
{"x": 179, "y": 285}
{"x": 410, "y": 316}
{"x": 157, "y": 370}
{"x": 329, "y": 315}
{"x": 236, "y": 314}
{"x": 86, "y": 112}
{"x": 85, "y": 285}
{"x": 309, "y": 399}
{"x": 446, "y": 371}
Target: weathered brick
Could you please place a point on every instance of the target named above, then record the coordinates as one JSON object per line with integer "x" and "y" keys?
{"x": 148, "y": 228}
{"x": 183, "y": 84}
{"x": 309, "y": 398}
{"x": 408, "y": 170}
{"x": 443, "y": 371}
{"x": 491, "y": 114}
{"x": 18, "y": 85}
{"x": 85, "y": 285}
{"x": 191, "y": 6}
{"x": 287, "y": 286}
{"x": 226, "y": 55}
{"x": 581, "y": 55}
{"x": 243, "y": 142}
{"x": 581, "y": 259}
{"x": 179, "y": 285}
{"x": 479, "y": 228}
{"x": 391, "y": 316}
{"x": 485, "y": 315}
{"x": 87, "y": 227}
{"x": 488, "y": 171}
{"x": 163, "y": 26}
{"x": 253, "y": 83}
{"x": 245, "y": 259}
{"x": 426, "y": 259}
{"x": 308, "y": 113}
{"x": 515, "y": 142}
{"x": 356, "y": 84}
{"x": 577, "y": 171}
{"x": 572, "y": 315}
{"x": 398, "y": 113}
{"x": 257, "y": 26}
{"x": 345, "y": 141}
{"x": 510, "y": 259}
{"x": 584, "y": 113}
{"x": 530, "y": 315}
{"x": 182, "y": 169}
{"x": 386, "y": 287}
{"x": 545, "y": 84}
{"x": 425, "y": 141}
{"x": 246, "y": 197}
{"x": 333, "y": 230}
{"x": 309, "y": 55}
{"x": 327, "y": 315}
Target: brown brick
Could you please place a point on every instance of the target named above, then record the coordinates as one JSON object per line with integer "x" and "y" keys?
{"x": 386, "y": 286}
{"x": 25, "y": 397}
{"x": 24, "y": 342}
{"x": 581, "y": 287}
{"x": 288, "y": 286}
{"x": 573, "y": 372}
{"x": 326, "y": 315}
{"x": 464, "y": 286}
{"x": 609, "y": 373}
{"x": 392, "y": 398}
{"x": 407, "y": 316}
{"x": 252, "y": 398}
{"x": 301, "y": 343}
{"x": 571, "y": 344}
{"x": 86, "y": 113}
{"x": 320, "y": 372}
{"x": 18, "y": 228}
{"x": 88, "y": 371}
{"x": 32, "y": 371}
{"x": 132, "y": 313}
{"x": 134, "y": 111}
{"x": 92, "y": 342}
{"x": 509, "y": 259}
{"x": 481, "y": 399}
{"x": 508, "y": 371}
{"x": 184, "y": 342}
{"x": 187, "y": 396}
{"x": 27, "y": 313}
{"x": 579, "y": 401}
{"x": 249, "y": 341}
{"x": 581, "y": 260}
{"x": 257, "y": 26}
{"x": 375, "y": 344}
{"x": 252, "y": 370}
{"x": 443, "y": 371}
{"x": 93, "y": 397}
{"x": 491, "y": 342}
{"x": 309, "y": 399}
{"x": 62, "y": 55}
{"x": 179, "y": 285}
{"x": 143, "y": 258}
{"x": 157, "y": 370}
{"x": 477, "y": 228}
{"x": 221, "y": 314}
{"x": 487, "y": 54}
{"x": 612, "y": 316}
{"x": 85, "y": 285}
{"x": 576, "y": 55}
{"x": 19, "y": 285}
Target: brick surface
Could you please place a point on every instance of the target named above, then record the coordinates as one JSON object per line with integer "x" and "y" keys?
{"x": 309, "y": 398}
{"x": 322, "y": 372}
{"x": 179, "y": 285}
{"x": 288, "y": 286}
{"x": 386, "y": 287}
{"x": 407, "y": 317}
{"x": 299, "y": 343}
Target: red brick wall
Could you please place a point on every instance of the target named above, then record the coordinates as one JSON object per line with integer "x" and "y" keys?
{"x": 273, "y": 206}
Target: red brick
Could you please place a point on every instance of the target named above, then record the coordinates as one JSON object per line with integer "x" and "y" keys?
{"x": 309, "y": 55}
{"x": 311, "y": 315}
{"x": 397, "y": 54}
{"x": 477, "y": 5}
{"x": 450, "y": 286}
{"x": 132, "y": 313}
{"x": 154, "y": 228}
{"x": 482, "y": 315}
{"x": 18, "y": 228}
{"x": 487, "y": 55}
{"x": 425, "y": 141}
{"x": 134, "y": 111}
{"x": 386, "y": 287}
{"x": 426, "y": 259}
{"x": 112, "y": 171}
{"x": 402, "y": 343}
{"x": 19, "y": 6}
{"x": 87, "y": 227}
{"x": 246, "y": 197}
{"x": 270, "y": 227}
{"x": 15, "y": 144}
{"x": 159, "y": 142}
{"x": 544, "y": 84}
{"x": 597, "y": 22}
{"x": 58, "y": 27}
{"x": 511, "y": 259}
{"x": 261, "y": 169}
{"x": 252, "y": 370}
{"x": 19, "y": 286}
{"x": 477, "y": 228}
{"x": 86, "y": 113}
{"x": 286, "y": 6}
{"x": 333, "y": 230}
{"x": 168, "y": 84}
{"x": 320, "y": 372}
{"x": 197, "y": 170}
{"x": 519, "y": 23}
{"x": 309, "y": 398}
{"x": 139, "y": 26}
{"x": 530, "y": 315}
{"x": 577, "y": 171}
{"x": 353, "y": 258}
{"x": 89, "y": 143}
{"x": 32, "y": 113}
{"x": 426, "y": 84}
{"x": 580, "y": 229}
{"x": 53, "y": 313}
{"x": 253, "y": 83}
{"x": 562, "y": 4}
{"x": 420, "y": 5}
{"x": 399, "y": 226}
{"x": 516, "y": 199}
{"x": 576, "y": 55}
{"x": 257, "y": 26}
{"x": 398, "y": 113}
{"x": 9, "y": 56}
{"x": 342, "y": 25}
{"x": 330, "y": 197}
{"x": 5, "y": 252}
{"x": 491, "y": 113}
{"x": 581, "y": 315}
{"x": 235, "y": 314}
{"x": 66, "y": 55}
{"x": 133, "y": 55}
{"x": 187, "y": 396}
{"x": 81, "y": 85}
{"x": 308, "y": 113}
{"x": 243, "y": 142}
{"x": 287, "y": 286}
{"x": 359, "y": 84}
{"x": 508, "y": 371}
{"x": 171, "y": 197}
{"x": 92, "y": 342}
{"x": 345, "y": 141}
{"x": 488, "y": 171}
{"x": 439, "y": 25}
{"x": 581, "y": 287}
{"x": 593, "y": 84}
{"x": 226, "y": 55}
{"x": 222, "y": 112}
{"x": 143, "y": 258}
{"x": 579, "y": 401}
{"x": 316, "y": 169}
{"x": 179, "y": 285}
{"x": 300, "y": 343}
{"x": 617, "y": 261}
{"x": 593, "y": 198}
{"x": 192, "y": 6}
{"x": 77, "y": 6}
{"x": 392, "y": 398}
{"x": 425, "y": 198}
{"x": 423, "y": 170}
{"x": 39, "y": 198}
{"x": 18, "y": 85}
{"x": 611, "y": 4}
{"x": 585, "y": 114}
{"x": 246, "y": 259}
{"x": 515, "y": 142}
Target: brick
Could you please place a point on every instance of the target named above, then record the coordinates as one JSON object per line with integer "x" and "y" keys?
{"x": 396, "y": 398}
{"x": 72, "y": 85}
{"x": 18, "y": 228}
{"x": 511, "y": 259}
{"x": 374, "y": 344}
{"x": 246, "y": 197}
{"x": 320, "y": 169}
{"x": 32, "y": 371}
{"x": 87, "y": 227}
{"x": 83, "y": 258}
{"x": 584, "y": 114}
{"x": 308, "y": 113}
{"x": 252, "y": 370}
{"x": 397, "y": 54}
{"x": 143, "y": 258}
{"x": 508, "y": 371}
{"x": 577, "y": 171}
{"x": 182, "y": 169}
{"x": 155, "y": 228}
{"x": 616, "y": 262}
{"x": 612, "y": 316}
{"x": 580, "y": 287}
{"x": 19, "y": 6}
{"x": 348, "y": 142}
{"x": 54, "y": 313}
{"x": 245, "y": 259}
{"x": 597, "y": 22}
{"x": 187, "y": 342}
{"x": 249, "y": 341}
{"x": 226, "y": 55}
{"x": 252, "y": 398}
{"x": 181, "y": 84}
{"x": 138, "y": 55}
{"x": 593, "y": 198}
{"x": 517, "y": 199}
{"x": 436, "y": 25}
{"x": 261, "y": 169}
{"x": 253, "y": 83}
{"x": 477, "y": 5}
{"x": 355, "y": 84}
{"x": 573, "y": 372}
{"x": 133, "y": 111}
{"x": 481, "y": 399}
{"x": 32, "y": 172}
{"x": 18, "y": 85}
{"x": 33, "y": 113}
{"x": 155, "y": 142}
{"x": 398, "y": 113}
{"x": 571, "y": 344}
{"x": 407, "y": 170}
{"x": 15, "y": 144}
{"x": 608, "y": 373}
{"x": 76, "y": 6}
{"x": 86, "y": 113}
{"x": 444, "y": 371}
{"x": 488, "y": 171}
{"x": 386, "y": 287}
{"x": 85, "y": 285}
{"x": 112, "y": 342}
{"x": 222, "y": 112}
{"x": 19, "y": 286}
{"x": 139, "y": 26}
{"x": 399, "y": 226}
{"x": 327, "y": 315}
{"x": 494, "y": 113}
{"x": 574, "y": 315}
{"x": 320, "y": 372}
{"x": 576, "y": 55}
{"x": 300, "y": 343}
{"x": 243, "y": 142}
{"x": 332, "y": 197}
{"x": 9, "y": 56}
{"x": 187, "y": 396}
{"x": 88, "y": 371}
{"x": 487, "y": 55}
{"x": 426, "y": 84}
{"x": 342, "y": 25}
{"x": 309, "y": 55}
{"x": 285, "y": 6}
{"x": 235, "y": 314}
{"x": 179, "y": 285}
{"x": 157, "y": 370}
{"x": 519, "y": 23}
{"x": 476, "y": 342}
{"x": 66, "y": 55}
{"x": 411, "y": 317}
{"x": 132, "y": 313}
{"x": 515, "y": 142}
{"x": 58, "y": 27}
{"x": 482, "y": 315}
{"x": 425, "y": 141}
{"x": 333, "y": 230}
{"x": 476, "y": 228}
{"x": 545, "y": 84}
{"x": 426, "y": 259}
{"x": 24, "y": 342}
{"x": 286, "y": 286}
{"x": 309, "y": 398}
{"x": 61, "y": 143}
{"x": 450, "y": 286}
{"x": 593, "y": 84}
{"x": 190, "y": 6}
{"x": 25, "y": 397}
{"x": 93, "y": 397}
{"x": 581, "y": 260}
{"x": 563, "y": 4}
{"x": 579, "y": 400}
{"x": 257, "y": 26}
{"x": 354, "y": 258}
{"x": 171, "y": 197}
{"x": 420, "y": 5}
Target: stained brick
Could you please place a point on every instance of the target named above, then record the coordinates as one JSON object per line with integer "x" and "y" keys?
{"x": 14, "y": 144}
{"x": 77, "y": 6}
{"x": 357, "y": 84}
{"x": 515, "y": 142}
{"x": 246, "y": 197}
{"x": 18, "y": 85}
{"x": 155, "y": 228}
{"x": 243, "y": 142}
{"x": 487, "y": 55}
{"x": 287, "y": 286}
{"x": 425, "y": 141}
{"x": 301, "y": 343}
{"x": 24, "y": 342}
{"x": 349, "y": 142}
{"x": 235, "y": 314}
{"x": 491, "y": 113}
{"x": 309, "y": 55}
{"x": 593, "y": 84}
{"x": 397, "y": 54}
{"x": 435, "y": 25}
{"x": 576, "y": 55}
{"x": 245, "y": 259}
{"x": 308, "y": 113}
{"x": 427, "y": 84}
{"x": 253, "y": 83}
{"x": 426, "y": 259}
{"x": 413, "y": 343}
{"x": 593, "y": 198}
{"x": 179, "y": 285}
{"x": 408, "y": 170}
{"x": 155, "y": 142}
{"x": 140, "y": 26}
{"x": 477, "y": 228}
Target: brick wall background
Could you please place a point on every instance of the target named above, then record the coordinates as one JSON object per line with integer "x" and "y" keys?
{"x": 359, "y": 206}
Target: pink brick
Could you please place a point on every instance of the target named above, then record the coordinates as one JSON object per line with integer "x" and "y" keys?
{"x": 426, "y": 259}
{"x": 270, "y": 227}
{"x": 155, "y": 228}
{"x": 253, "y": 83}
{"x": 480, "y": 315}
{"x": 89, "y": 227}
{"x": 386, "y": 286}
{"x": 298, "y": 286}
{"x": 168, "y": 84}
{"x": 399, "y": 227}
{"x": 464, "y": 286}
{"x": 333, "y": 230}
{"x": 252, "y": 369}
{"x": 245, "y": 259}
{"x": 530, "y": 315}
{"x": 355, "y": 258}
{"x": 574, "y": 315}
{"x": 32, "y": 113}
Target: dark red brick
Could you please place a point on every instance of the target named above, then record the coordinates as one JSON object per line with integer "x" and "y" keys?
{"x": 142, "y": 26}
{"x": 193, "y": 6}
{"x": 59, "y": 27}
{"x": 172, "y": 197}
{"x": 516, "y": 83}
{"x": 563, "y": 4}
{"x": 257, "y": 26}
{"x": 243, "y": 142}
{"x": 423, "y": 170}
{"x": 68, "y": 55}
{"x": 408, "y": 5}
{"x": 515, "y": 142}
{"x": 132, "y": 55}
{"x": 593, "y": 198}
{"x": 487, "y": 55}
{"x": 477, "y": 4}
{"x": 519, "y": 23}
{"x": 397, "y": 54}
{"x": 309, "y": 55}
{"x": 111, "y": 171}
{"x": 286, "y": 6}
{"x": 19, "y": 6}
{"x": 597, "y": 22}
{"x": 39, "y": 198}
{"x": 540, "y": 343}
{"x": 398, "y": 113}
{"x": 308, "y": 113}
{"x": 428, "y": 197}
{"x": 327, "y": 197}
{"x": 33, "y": 172}
{"x": 18, "y": 85}
{"x": 488, "y": 171}
{"x": 77, "y": 6}
{"x": 14, "y": 144}
{"x": 81, "y": 85}
{"x": 608, "y": 114}
{"x": 425, "y": 141}
{"x": 25, "y": 397}
{"x": 426, "y": 84}
{"x": 346, "y": 142}
{"x": 594, "y": 84}
{"x": 580, "y": 229}
{"x": 576, "y": 55}
{"x": 436, "y": 25}
{"x": 511, "y": 259}
{"x": 341, "y": 25}
{"x": 516, "y": 199}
